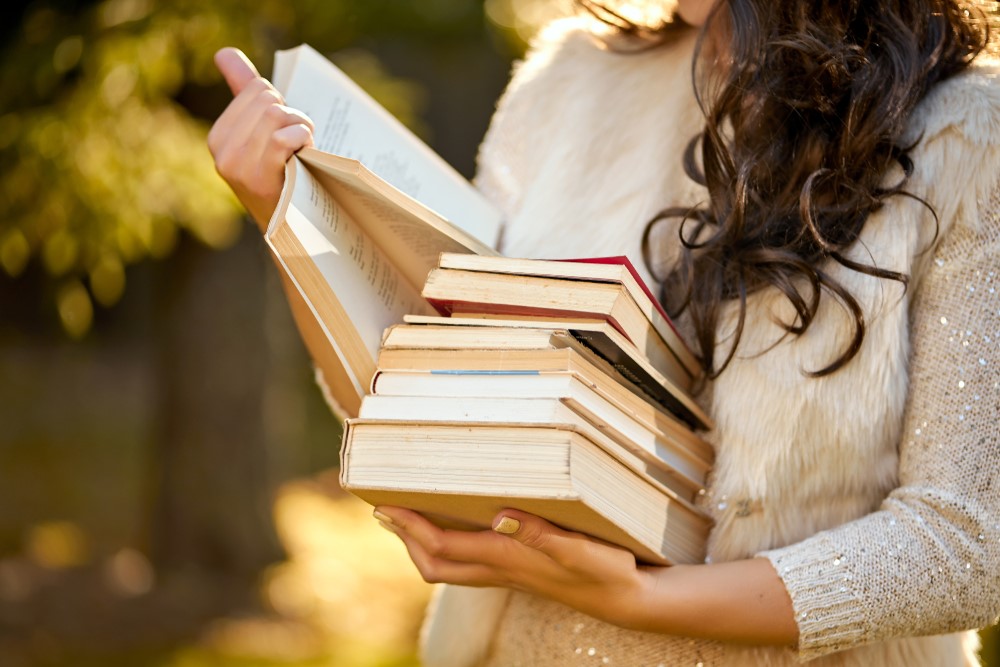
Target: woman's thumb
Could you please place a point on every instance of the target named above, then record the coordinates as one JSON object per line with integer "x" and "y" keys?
{"x": 236, "y": 68}
{"x": 529, "y": 530}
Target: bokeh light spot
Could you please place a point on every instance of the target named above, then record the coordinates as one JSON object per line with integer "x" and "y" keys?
{"x": 58, "y": 545}
{"x": 107, "y": 280}
{"x": 76, "y": 312}
{"x": 14, "y": 253}
{"x": 67, "y": 54}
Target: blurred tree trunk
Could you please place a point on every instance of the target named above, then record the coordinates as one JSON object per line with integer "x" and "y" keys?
{"x": 211, "y": 484}
{"x": 991, "y": 645}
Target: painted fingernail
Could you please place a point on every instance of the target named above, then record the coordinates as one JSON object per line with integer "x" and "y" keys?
{"x": 507, "y": 526}
{"x": 383, "y": 518}
{"x": 388, "y": 526}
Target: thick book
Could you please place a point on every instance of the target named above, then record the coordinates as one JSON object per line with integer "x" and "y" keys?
{"x": 618, "y": 270}
{"x": 494, "y": 332}
{"x": 362, "y": 219}
{"x": 596, "y": 344}
{"x": 565, "y": 354}
{"x": 654, "y": 457}
{"x": 461, "y": 476}
{"x": 498, "y": 294}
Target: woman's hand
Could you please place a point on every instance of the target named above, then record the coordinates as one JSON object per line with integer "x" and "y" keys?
{"x": 255, "y": 136}
{"x": 742, "y": 601}
{"x": 526, "y": 553}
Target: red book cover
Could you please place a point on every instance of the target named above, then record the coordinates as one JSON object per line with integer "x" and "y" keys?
{"x": 624, "y": 261}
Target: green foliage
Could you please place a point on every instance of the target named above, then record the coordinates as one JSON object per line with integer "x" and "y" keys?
{"x": 99, "y": 166}
{"x": 102, "y": 165}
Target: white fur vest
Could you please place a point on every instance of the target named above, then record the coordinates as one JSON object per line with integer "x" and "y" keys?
{"x": 586, "y": 147}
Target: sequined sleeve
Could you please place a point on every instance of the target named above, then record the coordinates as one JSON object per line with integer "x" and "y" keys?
{"x": 928, "y": 562}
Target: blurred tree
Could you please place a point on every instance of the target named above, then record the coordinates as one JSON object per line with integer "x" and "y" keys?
{"x": 104, "y": 106}
{"x": 102, "y": 155}
{"x": 96, "y": 168}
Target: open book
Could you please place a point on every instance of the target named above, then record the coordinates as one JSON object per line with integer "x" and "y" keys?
{"x": 352, "y": 240}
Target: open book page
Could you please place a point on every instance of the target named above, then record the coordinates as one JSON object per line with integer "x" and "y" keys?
{"x": 353, "y": 287}
{"x": 352, "y": 125}
{"x": 342, "y": 389}
{"x": 407, "y": 231}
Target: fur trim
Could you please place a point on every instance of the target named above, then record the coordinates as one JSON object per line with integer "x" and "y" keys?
{"x": 957, "y": 162}
{"x": 460, "y": 625}
{"x": 967, "y": 103}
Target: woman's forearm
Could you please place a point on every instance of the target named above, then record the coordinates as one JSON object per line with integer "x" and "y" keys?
{"x": 740, "y": 601}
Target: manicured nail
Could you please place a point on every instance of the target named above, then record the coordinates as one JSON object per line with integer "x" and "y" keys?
{"x": 388, "y": 526}
{"x": 507, "y": 526}
{"x": 383, "y": 518}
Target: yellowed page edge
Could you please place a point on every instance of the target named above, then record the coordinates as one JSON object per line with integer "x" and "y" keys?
{"x": 324, "y": 304}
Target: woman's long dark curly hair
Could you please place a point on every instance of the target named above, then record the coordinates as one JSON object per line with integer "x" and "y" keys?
{"x": 802, "y": 125}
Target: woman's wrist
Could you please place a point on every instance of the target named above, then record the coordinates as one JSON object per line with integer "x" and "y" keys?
{"x": 658, "y": 600}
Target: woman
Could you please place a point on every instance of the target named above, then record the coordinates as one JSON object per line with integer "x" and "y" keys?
{"x": 832, "y": 245}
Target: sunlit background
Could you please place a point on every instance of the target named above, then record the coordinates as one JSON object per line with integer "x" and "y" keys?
{"x": 168, "y": 482}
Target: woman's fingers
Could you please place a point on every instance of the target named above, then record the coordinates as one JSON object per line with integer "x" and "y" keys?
{"x": 267, "y": 162}
{"x": 515, "y": 535}
{"x": 525, "y": 552}
{"x": 243, "y": 111}
{"x": 435, "y": 569}
{"x": 275, "y": 137}
{"x": 453, "y": 545}
{"x": 255, "y": 135}
{"x": 571, "y": 551}
{"x": 292, "y": 138}
{"x": 258, "y": 147}
{"x": 452, "y": 556}
{"x": 518, "y": 539}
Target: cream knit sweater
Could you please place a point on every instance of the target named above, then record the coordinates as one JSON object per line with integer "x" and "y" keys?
{"x": 875, "y": 491}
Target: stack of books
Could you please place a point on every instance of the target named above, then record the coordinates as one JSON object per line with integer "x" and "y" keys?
{"x": 557, "y": 388}
{"x": 472, "y": 382}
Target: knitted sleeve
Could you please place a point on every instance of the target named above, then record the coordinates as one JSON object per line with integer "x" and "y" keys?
{"x": 928, "y": 561}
